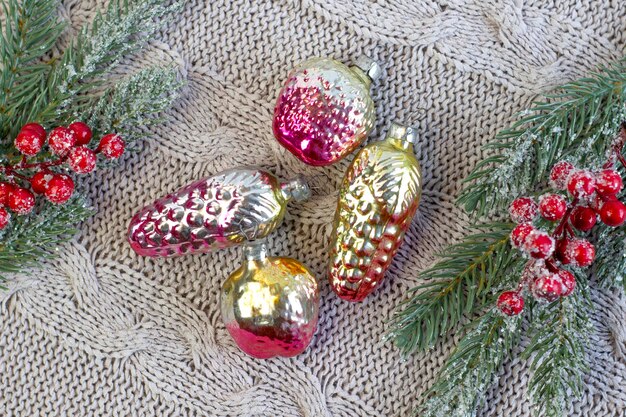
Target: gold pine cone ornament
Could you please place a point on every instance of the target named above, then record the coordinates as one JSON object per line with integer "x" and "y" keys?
{"x": 378, "y": 198}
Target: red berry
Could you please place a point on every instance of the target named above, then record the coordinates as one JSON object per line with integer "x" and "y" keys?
{"x": 560, "y": 173}
{"x": 39, "y": 181}
{"x": 547, "y": 286}
{"x": 21, "y": 201}
{"x": 5, "y": 190}
{"x": 111, "y": 146}
{"x": 552, "y": 207}
{"x": 511, "y": 303}
{"x": 520, "y": 233}
{"x": 82, "y": 160}
{"x": 82, "y": 132}
{"x": 609, "y": 182}
{"x": 613, "y": 213}
{"x": 581, "y": 251}
{"x": 37, "y": 128}
{"x": 61, "y": 140}
{"x": 583, "y": 218}
{"x": 581, "y": 184}
{"x": 539, "y": 244}
{"x": 568, "y": 282}
{"x": 29, "y": 142}
{"x": 5, "y": 216}
{"x": 562, "y": 252}
{"x": 60, "y": 188}
{"x": 523, "y": 210}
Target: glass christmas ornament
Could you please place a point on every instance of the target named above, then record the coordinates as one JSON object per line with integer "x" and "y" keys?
{"x": 220, "y": 211}
{"x": 270, "y": 305}
{"x": 325, "y": 111}
{"x": 378, "y": 198}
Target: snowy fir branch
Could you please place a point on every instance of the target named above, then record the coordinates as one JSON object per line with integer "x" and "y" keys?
{"x": 471, "y": 369}
{"x": 557, "y": 353}
{"x": 461, "y": 284}
{"x": 580, "y": 124}
{"x": 31, "y": 237}
{"x": 571, "y": 124}
{"x": 136, "y": 100}
{"x": 56, "y": 90}
{"x": 30, "y": 30}
{"x": 611, "y": 272}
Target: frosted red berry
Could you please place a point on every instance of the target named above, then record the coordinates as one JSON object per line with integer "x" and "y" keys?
{"x": 29, "y": 142}
{"x": 552, "y": 207}
{"x": 581, "y": 184}
{"x": 583, "y": 218}
{"x": 5, "y": 190}
{"x": 82, "y": 160}
{"x": 609, "y": 182}
{"x": 523, "y": 210}
{"x": 511, "y": 303}
{"x": 568, "y": 282}
{"x": 82, "y": 132}
{"x": 37, "y": 128}
{"x": 60, "y": 188}
{"x": 21, "y": 201}
{"x": 5, "y": 217}
{"x": 613, "y": 213}
{"x": 539, "y": 244}
{"x": 520, "y": 233}
{"x": 548, "y": 287}
{"x": 111, "y": 146}
{"x": 581, "y": 251}
{"x": 61, "y": 140}
{"x": 39, "y": 181}
{"x": 560, "y": 173}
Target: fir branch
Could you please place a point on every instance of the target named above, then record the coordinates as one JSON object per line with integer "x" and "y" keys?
{"x": 460, "y": 284}
{"x": 34, "y": 236}
{"x": 30, "y": 29}
{"x": 460, "y": 388}
{"x": 610, "y": 269}
{"x": 572, "y": 124}
{"x": 557, "y": 349}
{"x": 133, "y": 102}
{"x": 98, "y": 49}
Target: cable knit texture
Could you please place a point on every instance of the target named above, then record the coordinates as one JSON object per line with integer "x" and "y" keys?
{"x": 99, "y": 331}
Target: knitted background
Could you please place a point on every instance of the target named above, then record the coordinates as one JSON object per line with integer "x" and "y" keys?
{"x": 102, "y": 332}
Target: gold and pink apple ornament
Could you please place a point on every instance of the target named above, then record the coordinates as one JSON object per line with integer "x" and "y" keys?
{"x": 226, "y": 209}
{"x": 325, "y": 110}
{"x": 270, "y": 305}
{"x": 378, "y": 198}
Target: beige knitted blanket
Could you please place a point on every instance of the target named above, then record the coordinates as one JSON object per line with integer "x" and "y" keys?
{"x": 102, "y": 332}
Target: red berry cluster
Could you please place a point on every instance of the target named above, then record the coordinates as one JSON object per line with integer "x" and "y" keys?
{"x": 66, "y": 145}
{"x": 592, "y": 194}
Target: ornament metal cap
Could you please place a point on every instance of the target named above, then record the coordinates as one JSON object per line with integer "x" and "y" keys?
{"x": 297, "y": 188}
{"x": 369, "y": 67}
{"x": 404, "y": 133}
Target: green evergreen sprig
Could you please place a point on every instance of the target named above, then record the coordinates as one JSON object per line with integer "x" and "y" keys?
{"x": 611, "y": 272}
{"x": 571, "y": 124}
{"x": 469, "y": 371}
{"x": 77, "y": 84}
{"x": 557, "y": 353}
{"x": 32, "y": 237}
{"x": 457, "y": 286}
{"x": 30, "y": 30}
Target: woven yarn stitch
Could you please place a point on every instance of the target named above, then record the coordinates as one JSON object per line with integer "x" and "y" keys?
{"x": 99, "y": 331}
